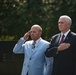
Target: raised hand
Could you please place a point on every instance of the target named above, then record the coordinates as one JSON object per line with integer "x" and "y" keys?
{"x": 26, "y": 35}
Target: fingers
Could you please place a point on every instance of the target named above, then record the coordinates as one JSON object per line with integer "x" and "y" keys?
{"x": 26, "y": 35}
{"x": 67, "y": 45}
{"x": 63, "y": 46}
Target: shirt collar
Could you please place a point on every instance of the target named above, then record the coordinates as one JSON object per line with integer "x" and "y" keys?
{"x": 37, "y": 41}
{"x": 65, "y": 34}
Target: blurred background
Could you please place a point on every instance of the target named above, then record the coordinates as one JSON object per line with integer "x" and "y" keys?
{"x": 16, "y": 18}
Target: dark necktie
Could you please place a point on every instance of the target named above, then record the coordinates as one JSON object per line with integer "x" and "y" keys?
{"x": 62, "y": 39}
{"x": 33, "y": 45}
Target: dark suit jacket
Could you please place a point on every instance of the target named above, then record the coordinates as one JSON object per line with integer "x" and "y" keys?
{"x": 64, "y": 61}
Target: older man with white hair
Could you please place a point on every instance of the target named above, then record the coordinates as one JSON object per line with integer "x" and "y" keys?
{"x": 63, "y": 49}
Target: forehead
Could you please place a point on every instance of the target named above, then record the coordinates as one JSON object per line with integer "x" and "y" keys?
{"x": 62, "y": 20}
{"x": 34, "y": 28}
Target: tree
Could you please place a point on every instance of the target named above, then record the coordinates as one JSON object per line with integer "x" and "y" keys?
{"x": 54, "y": 9}
{"x": 17, "y": 16}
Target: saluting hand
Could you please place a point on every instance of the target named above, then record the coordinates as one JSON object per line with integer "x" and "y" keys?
{"x": 26, "y": 35}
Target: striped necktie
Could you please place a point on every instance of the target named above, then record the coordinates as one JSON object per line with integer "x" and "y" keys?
{"x": 33, "y": 45}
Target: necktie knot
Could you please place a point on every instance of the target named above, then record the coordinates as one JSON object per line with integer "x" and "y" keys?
{"x": 33, "y": 45}
{"x": 62, "y": 39}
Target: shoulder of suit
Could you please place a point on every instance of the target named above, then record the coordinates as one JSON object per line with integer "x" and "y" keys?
{"x": 45, "y": 41}
{"x": 29, "y": 42}
{"x": 73, "y": 33}
{"x": 55, "y": 35}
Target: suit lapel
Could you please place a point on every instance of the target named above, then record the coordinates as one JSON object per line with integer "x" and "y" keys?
{"x": 67, "y": 37}
{"x": 58, "y": 38}
{"x": 36, "y": 47}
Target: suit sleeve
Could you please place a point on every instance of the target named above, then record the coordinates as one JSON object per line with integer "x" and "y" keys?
{"x": 51, "y": 52}
{"x": 48, "y": 66}
{"x": 52, "y": 49}
{"x": 18, "y": 48}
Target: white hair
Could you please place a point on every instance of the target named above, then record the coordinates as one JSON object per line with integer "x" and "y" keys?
{"x": 67, "y": 18}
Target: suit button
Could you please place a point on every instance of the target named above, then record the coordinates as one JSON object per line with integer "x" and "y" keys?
{"x": 28, "y": 65}
{"x": 30, "y": 58}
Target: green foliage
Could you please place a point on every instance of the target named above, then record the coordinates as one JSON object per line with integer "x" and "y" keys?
{"x": 3, "y": 37}
{"x": 17, "y": 16}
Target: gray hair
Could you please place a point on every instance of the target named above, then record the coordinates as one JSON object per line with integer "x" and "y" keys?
{"x": 67, "y": 18}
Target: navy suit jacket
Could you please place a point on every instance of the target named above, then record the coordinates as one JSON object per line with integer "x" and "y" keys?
{"x": 64, "y": 61}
